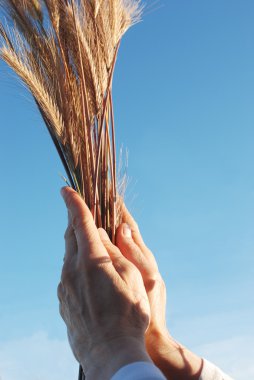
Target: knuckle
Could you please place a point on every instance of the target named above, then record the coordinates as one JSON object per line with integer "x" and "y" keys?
{"x": 130, "y": 268}
{"x": 127, "y": 243}
{"x": 95, "y": 267}
{"x": 80, "y": 222}
{"x": 155, "y": 281}
{"x": 122, "y": 267}
{"x": 81, "y": 225}
{"x": 120, "y": 262}
{"x": 68, "y": 232}
{"x": 156, "y": 277}
{"x": 60, "y": 291}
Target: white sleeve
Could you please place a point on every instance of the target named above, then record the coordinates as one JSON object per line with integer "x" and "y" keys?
{"x": 211, "y": 372}
{"x": 139, "y": 371}
{"x": 148, "y": 371}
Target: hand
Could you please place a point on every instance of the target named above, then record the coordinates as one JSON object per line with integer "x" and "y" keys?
{"x": 102, "y": 297}
{"x": 173, "y": 359}
{"x": 130, "y": 243}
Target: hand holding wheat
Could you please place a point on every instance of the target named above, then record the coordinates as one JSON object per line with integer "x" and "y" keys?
{"x": 65, "y": 52}
{"x": 102, "y": 296}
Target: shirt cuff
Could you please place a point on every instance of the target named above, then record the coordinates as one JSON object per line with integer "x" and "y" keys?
{"x": 211, "y": 372}
{"x": 138, "y": 371}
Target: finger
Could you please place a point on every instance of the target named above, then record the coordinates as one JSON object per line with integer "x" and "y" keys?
{"x": 118, "y": 260}
{"x": 135, "y": 233}
{"x": 136, "y": 236}
{"x": 88, "y": 239}
{"x": 60, "y": 291}
{"x": 71, "y": 247}
{"x": 112, "y": 250}
{"x": 132, "y": 251}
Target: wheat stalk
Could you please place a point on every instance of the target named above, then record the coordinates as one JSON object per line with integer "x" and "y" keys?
{"x": 65, "y": 52}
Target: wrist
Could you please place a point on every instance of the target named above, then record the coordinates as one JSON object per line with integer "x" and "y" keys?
{"x": 106, "y": 359}
{"x": 173, "y": 359}
{"x": 155, "y": 339}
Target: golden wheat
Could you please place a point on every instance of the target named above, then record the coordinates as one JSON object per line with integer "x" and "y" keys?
{"x": 65, "y": 52}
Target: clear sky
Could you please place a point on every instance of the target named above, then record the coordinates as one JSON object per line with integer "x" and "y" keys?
{"x": 184, "y": 103}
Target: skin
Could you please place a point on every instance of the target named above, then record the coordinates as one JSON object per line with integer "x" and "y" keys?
{"x": 172, "y": 358}
{"x": 102, "y": 297}
{"x": 113, "y": 300}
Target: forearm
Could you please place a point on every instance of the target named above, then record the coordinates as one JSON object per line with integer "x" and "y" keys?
{"x": 174, "y": 360}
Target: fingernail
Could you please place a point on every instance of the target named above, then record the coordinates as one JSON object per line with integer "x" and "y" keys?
{"x": 127, "y": 231}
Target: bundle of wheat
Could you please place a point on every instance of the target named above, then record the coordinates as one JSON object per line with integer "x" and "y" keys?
{"x": 65, "y": 52}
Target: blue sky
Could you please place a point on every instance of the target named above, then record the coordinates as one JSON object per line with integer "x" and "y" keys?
{"x": 184, "y": 103}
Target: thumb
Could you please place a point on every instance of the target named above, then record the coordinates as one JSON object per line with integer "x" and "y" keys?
{"x": 88, "y": 239}
{"x": 131, "y": 250}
